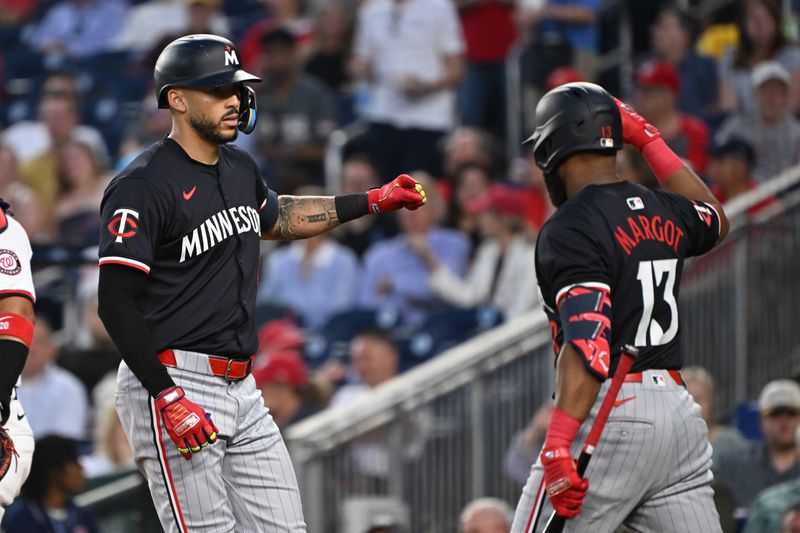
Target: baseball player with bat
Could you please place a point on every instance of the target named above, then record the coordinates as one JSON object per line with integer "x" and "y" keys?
{"x": 609, "y": 264}
{"x": 179, "y": 258}
{"x": 16, "y": 334}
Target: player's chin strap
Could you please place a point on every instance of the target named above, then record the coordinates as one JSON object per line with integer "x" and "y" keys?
{"x": 248, "y": 110}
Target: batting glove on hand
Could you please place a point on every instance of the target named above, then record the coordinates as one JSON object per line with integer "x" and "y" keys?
{"x": 565, "y": 488}
{"x": 187, "y": 424}
{"x": 636, "y": 131}
{"x": 403, "y": 191}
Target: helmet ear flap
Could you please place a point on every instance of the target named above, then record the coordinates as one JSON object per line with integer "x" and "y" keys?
{"x": 248, "y": 109}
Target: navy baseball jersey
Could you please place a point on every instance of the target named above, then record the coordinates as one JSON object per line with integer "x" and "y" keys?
{"x": 631, "y": 242}
{"x": 195, "y": 229}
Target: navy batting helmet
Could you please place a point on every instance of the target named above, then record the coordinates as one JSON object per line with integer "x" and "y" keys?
{"x": 205, "y": 61}
{"x": 574, "y": 118}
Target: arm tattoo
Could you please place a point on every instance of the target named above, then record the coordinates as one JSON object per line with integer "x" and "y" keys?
{"x": 304, "y": 216}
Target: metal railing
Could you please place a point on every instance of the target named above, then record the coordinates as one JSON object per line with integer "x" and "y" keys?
{"x": 434, "y": 438}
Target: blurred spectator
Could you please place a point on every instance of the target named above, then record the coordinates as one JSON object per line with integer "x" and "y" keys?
{"x": 189, "y": 17}
{"x": 286, "y": 14}
{"x": 672, "y": 39}
{"x": 148, "y": 22}
{"x": 112, "y": 452}
{"x": 750, "y": 470}
{"x": 79, "y": 28}
{"x": 152, "y": 125}
{"x": 467, "y": 145}
{"x": 16, "y": 12}
{"x": 730, "y": 170}
{"x": 471, "y": 183}
{"x": 329, "y": 48}
{"x": 723, "y": 438}
{"x": 530, "y": 178}
{"x": 772, "y": 130}
{"x": 527, "y": 444}
{"x": 771, "y": 504}
{"x": 409, "y": 53}
{"x": 395, "y": 276}
{"x": 790, "y": 519}
{"x": 23, "y": 203}
{"x": 375, "y": 359}
{"x": 632, "y": 167}
{"x": 284, "y": 384}
{"x": 657, "y": 89}
{"x": 486, "y": 515}
{"x": 92, "y": 356}
{"x": 315, "y": 277}
{"x": 81, "y": 182}
{"x": 55, "y": 401}
{"x": 761, "y": 38}
{"x": 502, "y": 273}
{"x": 489, "y": 32}
{"x": 59, "y": 116}
{"x": 46, "y": 504}
{"x": 359, "y": 175}
{"x": 296, "y": 113}
{"x": 568, "y": 28}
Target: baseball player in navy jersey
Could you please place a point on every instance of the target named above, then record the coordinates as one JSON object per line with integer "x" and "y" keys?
{"x": 179, "y": 258}
{"x": 16, "y": 333}
{"x": 609, "y": 264}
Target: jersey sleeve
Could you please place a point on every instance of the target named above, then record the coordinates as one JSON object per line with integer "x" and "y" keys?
{"x": 567, "y": 254}
{"x": 700, "y": 220}
{"x": 16, "y": 278}
{"x": 267, "y": 205}
{"x": 132, "y": 218}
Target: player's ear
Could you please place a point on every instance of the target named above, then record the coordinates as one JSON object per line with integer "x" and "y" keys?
{"x": 176, "y": 100}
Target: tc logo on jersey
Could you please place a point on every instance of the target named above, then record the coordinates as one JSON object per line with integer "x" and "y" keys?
{"x": 123, "y": 224}
{"x": 230, "y": 56}
{"x": 635, "y": 203}
{"x": 9, "y": 263}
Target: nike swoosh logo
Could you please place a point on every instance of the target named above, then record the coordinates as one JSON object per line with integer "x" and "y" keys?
{"x": 20, "y": 417}
{"x": 188, "y": 195}
{"x": 624, "y": 401}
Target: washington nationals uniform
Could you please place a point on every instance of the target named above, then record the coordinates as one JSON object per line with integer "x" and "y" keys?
{"x": 651, "y": 470}
{"x": 15, "y": 280}
{"x": 195, "y": 230}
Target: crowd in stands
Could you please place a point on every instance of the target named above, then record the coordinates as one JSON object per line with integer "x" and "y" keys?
{"x": 420, "y": 87}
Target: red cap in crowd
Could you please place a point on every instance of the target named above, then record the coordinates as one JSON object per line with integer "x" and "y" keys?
{"x": 562, "y": 76}
{"x": 658, "y": 74}
{"x": 279, "y": 334}
{"x": 501, "y": 199}
{"x": 285, "y": 367}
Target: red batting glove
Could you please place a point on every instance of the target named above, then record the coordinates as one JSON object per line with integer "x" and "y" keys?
{"x": 565, "y": 488}
{"x": 403, "y": 191}
{"x": 189, "y": 427}
{"x": 636, "y": 131}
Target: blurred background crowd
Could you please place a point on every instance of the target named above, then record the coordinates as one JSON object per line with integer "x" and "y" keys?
{"x": 353, "y": 93}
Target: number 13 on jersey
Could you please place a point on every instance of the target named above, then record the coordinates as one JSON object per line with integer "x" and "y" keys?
{"x": 653, "y": 274}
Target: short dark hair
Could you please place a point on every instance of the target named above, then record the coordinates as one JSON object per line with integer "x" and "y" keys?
{"x": 51, "y": 454}
{"x": 688, "y": 22}
{"x": 279, "y": 36}
{"x": 381, "y": 334}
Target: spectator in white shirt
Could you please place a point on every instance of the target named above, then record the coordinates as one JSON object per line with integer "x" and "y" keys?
{"x": 410, "y": 55}
{"x": 503, "y": 273}
{"x": 55, "y": 401}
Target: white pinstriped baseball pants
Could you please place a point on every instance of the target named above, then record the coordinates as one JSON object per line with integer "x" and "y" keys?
{"x": 244, "y": 482}
{"x": 651, "y": 469}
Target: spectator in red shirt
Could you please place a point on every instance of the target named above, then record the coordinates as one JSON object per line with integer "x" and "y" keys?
{"x": 489, "y": 32}
{"x": 730, "y": 169}
{"x": 657, "y": 89}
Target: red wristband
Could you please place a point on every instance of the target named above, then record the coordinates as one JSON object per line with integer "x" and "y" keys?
{"x": 17, "y": 326}
{"x": 562, "y": 429}
{"x": 661, "y": 159}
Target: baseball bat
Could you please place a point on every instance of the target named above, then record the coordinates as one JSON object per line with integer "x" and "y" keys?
{"x": 629, "y": 355}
